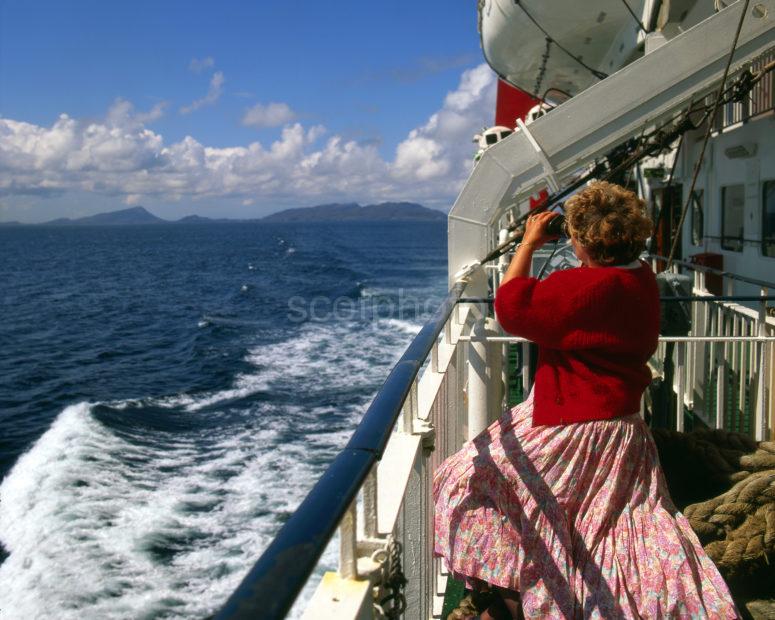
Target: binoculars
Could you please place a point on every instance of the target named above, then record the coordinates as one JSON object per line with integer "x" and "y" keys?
{"x": 558, "y": 226}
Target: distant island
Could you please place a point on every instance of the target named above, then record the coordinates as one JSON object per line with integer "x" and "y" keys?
{"x": 337, "y": 212}
{"x": 386, "y": 211}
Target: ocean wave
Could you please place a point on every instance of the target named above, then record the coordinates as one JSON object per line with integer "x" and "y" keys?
{"x": 400, "y": 325}
{"x": 106, "y": 524}
{"x": 322, "y": 356}
{"x": 99, "y": 527}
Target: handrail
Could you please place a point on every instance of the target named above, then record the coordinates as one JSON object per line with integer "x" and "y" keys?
{"x": 270, "y": 588}
{"x": 718, "y": 272}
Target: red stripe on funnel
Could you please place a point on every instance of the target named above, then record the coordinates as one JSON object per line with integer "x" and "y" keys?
{"x": 512, "y": 104}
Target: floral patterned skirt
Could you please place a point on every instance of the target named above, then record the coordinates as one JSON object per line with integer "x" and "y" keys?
{"x": 577, "y": 519}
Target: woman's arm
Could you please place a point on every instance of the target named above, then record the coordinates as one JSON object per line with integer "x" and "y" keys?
{"x": 535, "y": 237}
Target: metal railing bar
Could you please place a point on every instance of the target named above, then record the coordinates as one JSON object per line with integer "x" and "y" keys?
{"x": 661, "y": 339}
{"x": 374, "y": 430}
{"x": 272, "y": 585}
{"x": 719, "y": 272}
{"x": 270, "y": 588}
{"x": 686, "y": 298}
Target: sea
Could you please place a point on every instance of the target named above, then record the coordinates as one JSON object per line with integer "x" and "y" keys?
{"x": 169, "y": 393}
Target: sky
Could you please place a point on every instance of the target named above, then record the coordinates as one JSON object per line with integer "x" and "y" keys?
{"x": 236, "y": 109}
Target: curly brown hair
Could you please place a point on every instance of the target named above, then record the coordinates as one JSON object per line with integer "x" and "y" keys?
{"x": 609, "y": 222}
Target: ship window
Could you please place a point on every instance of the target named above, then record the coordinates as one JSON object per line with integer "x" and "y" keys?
{"x": 732, "y": 209}
{"x": 768, "y": 218}
{"x": 491, "y": 138}
{"x": 698, "y": 217}
{"x": 505, "y": 133}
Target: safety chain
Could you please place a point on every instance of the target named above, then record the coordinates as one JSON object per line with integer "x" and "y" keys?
{"x": 542, "y": 68}
{"x": 393, "y": 604}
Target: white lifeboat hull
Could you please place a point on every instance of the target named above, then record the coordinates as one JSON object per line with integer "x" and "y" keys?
{"x": 601, "y": 34}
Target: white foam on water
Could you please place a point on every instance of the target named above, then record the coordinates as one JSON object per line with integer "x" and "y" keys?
{"x": 89, "y": 519}
{"x": 326, "y": 355}
{"x": 100, "y": 527}
{"x": 400, "y": 325}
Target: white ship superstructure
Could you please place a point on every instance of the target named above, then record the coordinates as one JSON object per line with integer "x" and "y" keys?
{"x": 663, "y": 63}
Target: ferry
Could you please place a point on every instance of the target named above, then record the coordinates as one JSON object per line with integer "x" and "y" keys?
{"x": 673, "y": 98}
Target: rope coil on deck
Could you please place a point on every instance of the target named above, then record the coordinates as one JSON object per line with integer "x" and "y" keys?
{"x": 737, "y": 526}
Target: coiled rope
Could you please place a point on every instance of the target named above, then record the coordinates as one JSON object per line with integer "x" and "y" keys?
{"x": 737, "y": 525}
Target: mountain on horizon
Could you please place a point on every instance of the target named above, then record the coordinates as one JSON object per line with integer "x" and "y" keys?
{"x": 336, "y": 212}
{"x": 352, "y": 211}
{"x": 122, "y": 217}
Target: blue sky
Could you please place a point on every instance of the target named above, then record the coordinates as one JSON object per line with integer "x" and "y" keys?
{"x": 327, "y": 101}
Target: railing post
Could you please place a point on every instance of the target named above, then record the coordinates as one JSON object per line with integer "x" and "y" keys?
{"x": 477, "y": 381}
{"x": 526, "y": 369}
{"x": 680, "y": 372}
{"x": 409, "y": 412}
{"x": 503, "y": 265}
{"x": 484, "y": 378}
{"x": 722, "y": 366}
{"x": 496, "y": 383}
{"x": 504, "y": 356}
{"x": 370, "y": 504}
{"x": 503, "y": 260}
{"x": 348, "y": 558}
{"x": 760, "y": 417}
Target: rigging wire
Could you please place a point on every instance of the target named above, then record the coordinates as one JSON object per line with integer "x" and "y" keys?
{"x": 661, "y": 137}
{"x": 708, "y": 131}
{"x": 551, "y": 256}
{"x": 635, "y": 17}
{"x": 662, "y": 140}
{"x": 598, "y": 74}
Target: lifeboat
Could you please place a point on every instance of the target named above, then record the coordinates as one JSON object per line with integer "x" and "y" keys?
{"x": 547, "y": 47}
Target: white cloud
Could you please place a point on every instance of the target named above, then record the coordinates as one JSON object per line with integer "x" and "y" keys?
{"x": 213, "y": 94}
{"x": 269, "y": 115}
{"x": 123, "y": 113}
{"x": 120, "y": 156}
{"x": 440, "y": 151}
{"x": 197, "y": 65}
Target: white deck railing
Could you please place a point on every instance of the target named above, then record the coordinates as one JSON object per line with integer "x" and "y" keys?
{"x": 724, "y": 367}
{"x": 723, "y": 376}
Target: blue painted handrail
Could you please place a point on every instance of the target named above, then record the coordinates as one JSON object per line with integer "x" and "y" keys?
{"x": 272, "y": 585}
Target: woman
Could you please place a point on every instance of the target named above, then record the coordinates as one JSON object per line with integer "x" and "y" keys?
{"x": 560, "y": 506}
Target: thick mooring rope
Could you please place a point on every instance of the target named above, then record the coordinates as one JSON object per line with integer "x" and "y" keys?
{"x": 737, "y": 528}
{"x": 737, "y": 525}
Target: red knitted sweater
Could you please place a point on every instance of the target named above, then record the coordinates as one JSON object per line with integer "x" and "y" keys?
{"x": 595, "y": 329}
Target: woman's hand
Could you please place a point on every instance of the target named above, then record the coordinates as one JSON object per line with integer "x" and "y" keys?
{"x": 535, "y": 236}
{"x": 535, "y": 229}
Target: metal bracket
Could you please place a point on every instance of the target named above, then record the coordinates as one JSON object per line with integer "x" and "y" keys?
{"x": 467, "y": 220}
{"x": 464, "y": 275}
{"x": 551, "y": 177}
{"x": 428, "y": 433}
